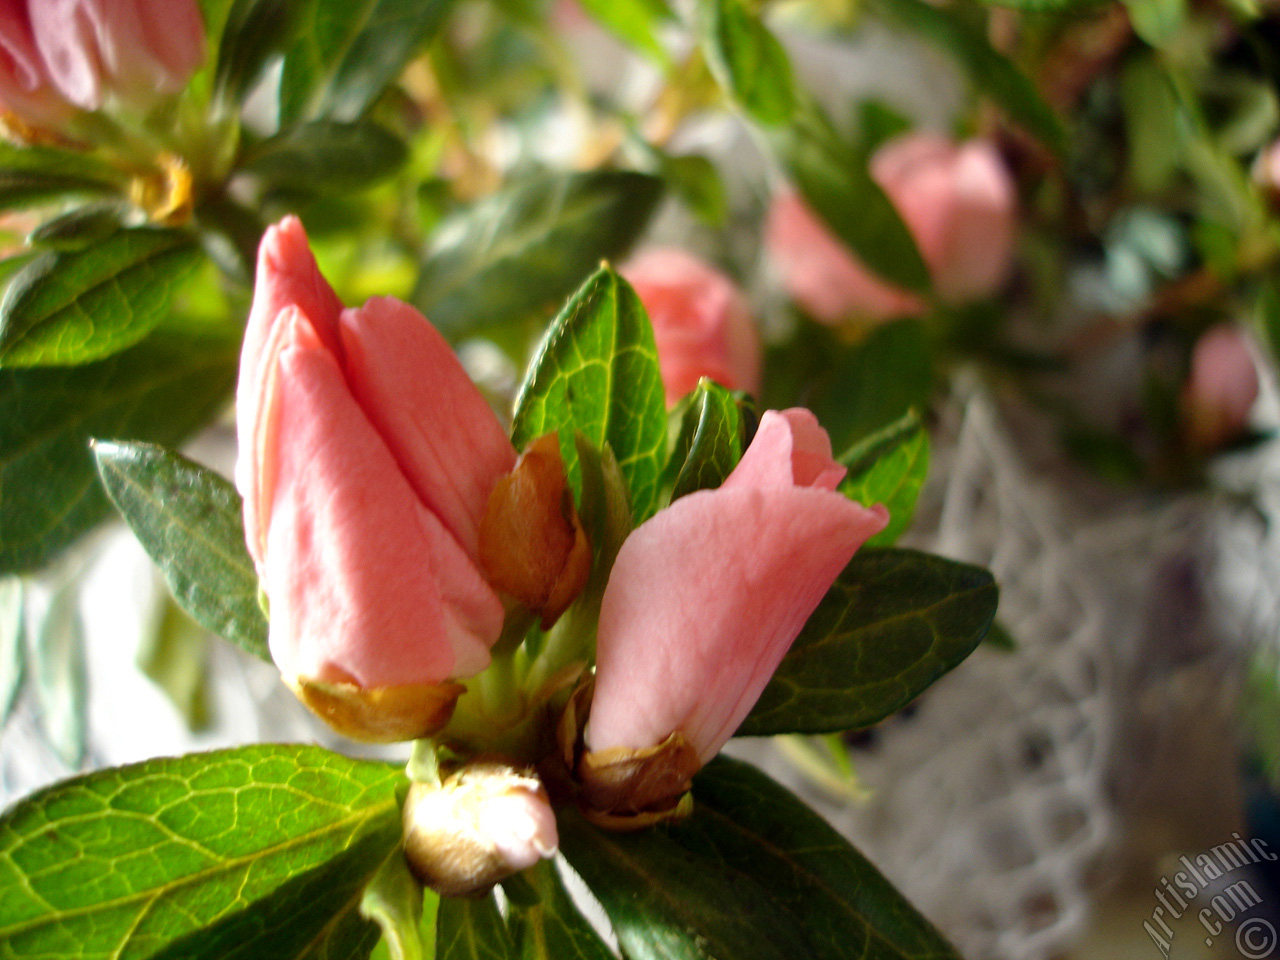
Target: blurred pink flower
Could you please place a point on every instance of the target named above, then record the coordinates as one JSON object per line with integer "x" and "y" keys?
{"x": 366, "y": 462}
{"x": 959, "y": 203}
{"x": 134, "y": 49}
{"x": 26, "y": 91}
{"x": 705, "y": 598}
{"x": 701, "y": 322}
{"x": 1221, "y": 388}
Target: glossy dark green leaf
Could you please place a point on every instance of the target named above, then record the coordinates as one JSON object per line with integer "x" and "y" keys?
{"x": 868, "y": 387}
{"x": 894, "y": 622}
{"x": 666, "y": 903}
{"x": 174, "y": 655}
{"x": 78, "y": 228}
{"x": 12, "y": 644}
{"x": 31, "y": 175}
{"x": 889, "y": 467}
{"x": 127, "y": 862}
{"x": 57, "y": 662}
{"x": 990, "y": 70}
{"x": 81, "y": 305}
{"x": 190, "y": 521}
{"x": 160, "y": 391}
{"x": 554, "y": 928}
{"x": 523, "y": 250}
{"x": 326, "y": 156}
{"x": 472, "y": 930}
{"x": 349, "y": 51}
{"x": 596, "y": 373}
{"x": 747, "y": 60}
{"x": 637, "y": 22}
{"x": 836, "y": 184}
{"x": 755, "y": 829}
{"x": 254, "y": 32}
{"x": 711, "y": 439}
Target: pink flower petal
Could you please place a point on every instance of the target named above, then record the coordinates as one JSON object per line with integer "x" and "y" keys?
{"x": 287, "y": 276}
{"x": 443, "y": 434}
{"x": 365, "y": 584}
{"x": 703, "y": 603}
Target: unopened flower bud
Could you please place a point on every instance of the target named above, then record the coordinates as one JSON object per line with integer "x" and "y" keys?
{"x": 1221, "y": 388}
{"x": 532, "y": 545}
{"x": 480, "y": 826}
{"x": 702, "y": 325}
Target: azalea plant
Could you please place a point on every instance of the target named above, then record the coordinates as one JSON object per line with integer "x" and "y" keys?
{"x": 567, "y": 576}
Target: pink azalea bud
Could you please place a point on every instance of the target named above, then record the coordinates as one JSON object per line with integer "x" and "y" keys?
{"x": 1266, "y": 168}
{"x": 701, "y": 322}
{"x": 366, "y": 462}
{"x": 25, "y": 89}
{"x": 1220, "y": 389}
{"x": 134, "y": 49}
{"x": 707, "y": 596}
{"x": 480, "y": 826}
{"x": 959, "y": 203}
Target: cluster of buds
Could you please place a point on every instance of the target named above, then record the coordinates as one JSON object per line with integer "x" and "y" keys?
{"x": 395, "y": 530}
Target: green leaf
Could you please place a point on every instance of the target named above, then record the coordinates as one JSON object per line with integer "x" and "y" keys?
{"x": 666, "y": 903}
{"x": 529, "y": 246}
{"x": 756, "y": 830}
{"x": 596, "y": 373}
{"x": 12, "y": 644}
{"x": 869, "y": 387}
{"x": 57, "y": 663}
{"x": 314, "y": 915}
{"x": 33, "y": 175}
{"x": 894, "y": 622}
{"x": 127, "y": 862}
{"x": 712, "y": 436}
{"x": 349, "y": 51}
{"x": 697, "y": 182}
{"x": 1046, "y": 6}
{"x": 1269, "y": 316}
{"x": 254, "y": 32}
{"x": 553, "y": 929}
{"x": 747, "y": 60}
{"x": 999, "y": 638}
{"x": 190, "y": 521}
{"x": 889, "y": 467}
{"x": 160, "y": 391}
{"x": 77, "y": 306}
{"x": 1158, "y": 22}
{"x": 991, "y": 71}
{"x": 174, "y": 654}
{"x": 80, "y": 227}
{"x": 634, "y": 21}
{"x": 836, "y": 183}
{"x": 394, "y": 900}
{"x": 472, "y": 930}
{"x": 325, "y": 156}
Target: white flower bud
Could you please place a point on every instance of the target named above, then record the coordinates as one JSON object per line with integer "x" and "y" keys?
{"x": 481, "y": 825}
